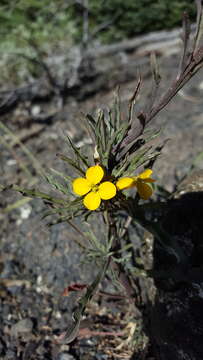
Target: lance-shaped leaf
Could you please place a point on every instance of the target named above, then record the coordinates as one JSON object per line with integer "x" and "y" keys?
{"x": 72, "y": 163}
{"x": 72, "y": 330}
{"x": 78, "y": 153}
{"x": 35, "y": 194}
{"x": 66, "y": 211}
{"x": 52, "y": 181}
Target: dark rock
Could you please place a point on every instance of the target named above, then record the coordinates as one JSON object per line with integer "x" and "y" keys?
{"x": 2, "y": 347}
{"x": 10, "y": 355}
{"x": 177, "y": 313}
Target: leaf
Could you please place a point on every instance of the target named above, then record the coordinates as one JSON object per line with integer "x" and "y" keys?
{"x": 131, "y": 163}
{"x": 199, "y": 26}
{"x": 186, "y": 37}
{"x": 117, "y": 110}
{"x": 132, "y": 101}
{"x": 62, "y": 175}
{"x": 155, "y": 68}
{"x": 67, "y": 211}
{"x": 52, "y": 181}
{"x": 78, "y": 153}
{"x": 35, "y": 194}
{"x": 72, "y": 330}
{"x": 72, "y": 163}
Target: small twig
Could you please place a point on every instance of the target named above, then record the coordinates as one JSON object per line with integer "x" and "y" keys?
{"x": 33, "y": 160}
{"x": 156, "y": 81}
{"x": 190, "y": 63}
{"x": 116, "y": 245}
{"x": 198, "y": 32}
{"x": 80, "y": 233}
{"x": 16, "y": 157}
{"x": 103, "y": 26}
{"x": 85, "y": 34}
{"x": 86, "y": 332}
{"x": 38, "y": 61}
{"x": 16, "y": 205}
{"x": 133, "y": 100}
{"x": 186, "y": 37}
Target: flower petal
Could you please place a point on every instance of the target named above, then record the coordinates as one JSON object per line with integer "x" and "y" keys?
{"x": 94, "y": 174}
{"x": 145, "y": 174}
{"x": 149, "y": 180}
{"x": 81, "y": 186}
{"x": 144, "y": 190}
{"x": 107, "y": 190}
{"x": 92, "y": 200}
{"x": 125, "y": 183}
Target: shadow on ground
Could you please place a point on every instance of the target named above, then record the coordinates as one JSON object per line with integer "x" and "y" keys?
{"x": 175, "y": 325}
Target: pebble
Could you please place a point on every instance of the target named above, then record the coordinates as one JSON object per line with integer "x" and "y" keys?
{"x": 22, "y": 327}
{"x": 65, "y": 356}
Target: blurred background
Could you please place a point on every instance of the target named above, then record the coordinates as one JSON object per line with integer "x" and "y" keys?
{"x": 56, "y": 25}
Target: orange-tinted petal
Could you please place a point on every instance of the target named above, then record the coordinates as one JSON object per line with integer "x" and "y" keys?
{"x": 144, "y": 190}
{"x": 149, "y": 180}
{"x": 81, "y": 186}
{"x": 94, "y": 174}
{"x": 125, "y": 183}
{"x": 92, "y": 200}
{"x": 107, "y": 190}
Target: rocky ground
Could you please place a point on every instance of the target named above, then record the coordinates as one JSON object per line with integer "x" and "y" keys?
{"x": 37, "y": 263}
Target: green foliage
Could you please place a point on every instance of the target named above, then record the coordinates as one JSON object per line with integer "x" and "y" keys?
{"x": 56, "y": 24}
{"x": 51, "y": 20}
{"x": 129, "y": 18}
{"x": 46, "y": 23}
{"x": 41, "y": 21}
{"x": 109, "y": 133}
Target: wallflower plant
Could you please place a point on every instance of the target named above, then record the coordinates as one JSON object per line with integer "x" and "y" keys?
{"x": 120, "y": 159}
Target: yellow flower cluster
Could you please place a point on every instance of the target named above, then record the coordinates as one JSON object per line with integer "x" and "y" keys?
{"x": 94, "y": 190}
{"x": 141, "y": 182}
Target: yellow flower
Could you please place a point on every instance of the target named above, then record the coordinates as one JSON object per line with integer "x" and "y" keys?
{"x": 141, "y": 182}
{"x": 92, "y": 187}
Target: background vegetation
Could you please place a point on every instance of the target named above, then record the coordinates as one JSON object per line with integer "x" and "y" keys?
{"x": 54, "y": 20}
{"x": 129, "y": 18}
{"x": 55, "y": 25}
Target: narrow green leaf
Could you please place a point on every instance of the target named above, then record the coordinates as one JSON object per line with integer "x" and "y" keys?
{"x": 52, "y": 181}
{"x": 72, "y": 163}
{"x": 35, "y": 194}
{"x": 77, "y": 151}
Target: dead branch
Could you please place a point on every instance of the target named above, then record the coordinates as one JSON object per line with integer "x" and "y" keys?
{"x": 190, "y": 63}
